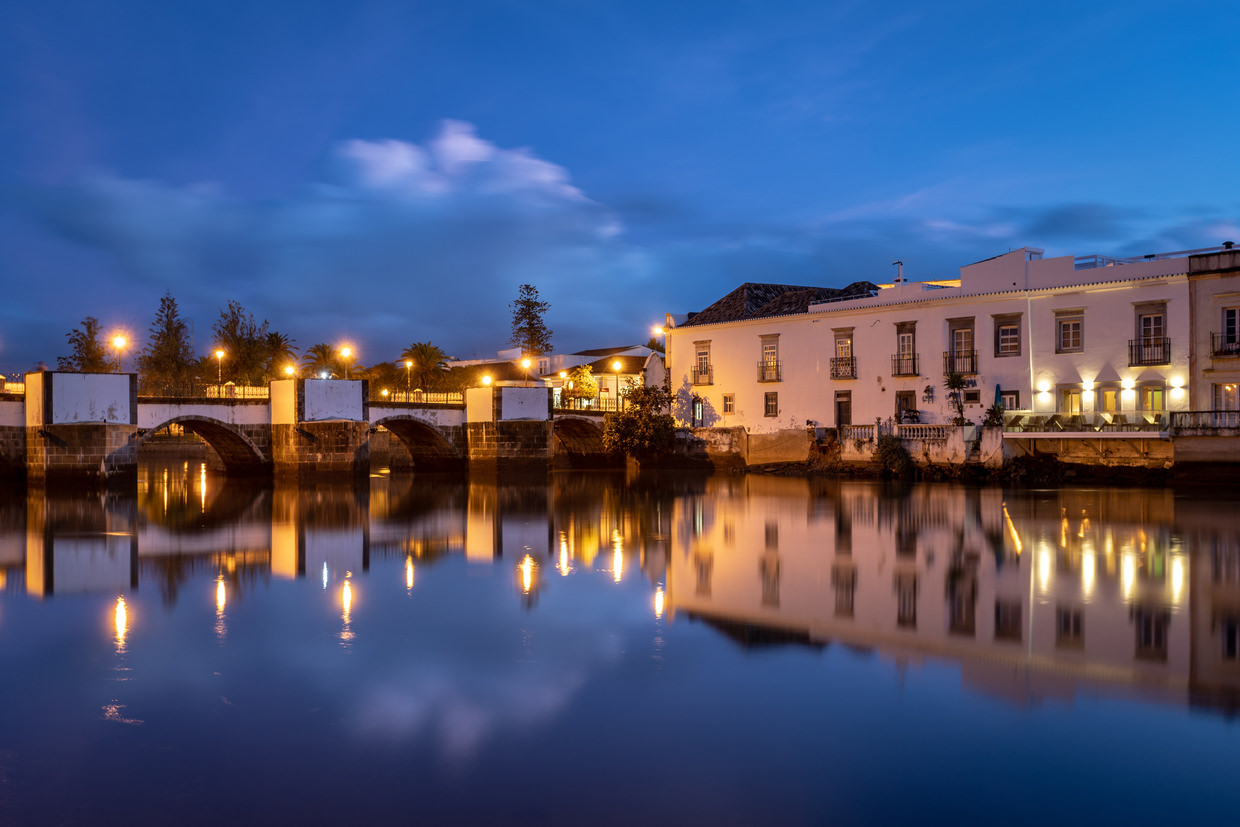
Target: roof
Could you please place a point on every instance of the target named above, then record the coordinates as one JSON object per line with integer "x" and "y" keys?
{"x": 752, "y": 300}
{"x": 604, "y": 351}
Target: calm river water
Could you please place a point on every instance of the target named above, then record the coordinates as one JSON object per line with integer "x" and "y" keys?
{"x": 586, "y": 648}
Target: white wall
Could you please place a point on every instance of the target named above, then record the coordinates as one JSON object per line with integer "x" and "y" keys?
{"x": 87, "y": 397}
{"x": 524, "y": 403}
{"x": 333, "y": 399}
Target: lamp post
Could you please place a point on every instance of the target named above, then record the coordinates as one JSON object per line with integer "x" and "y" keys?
{"x": 345, "y": 353}
{"x": 289, "y": 370}
{"x": 525, "y": 363}
{"x": 615, "y": 366}
{"x": 219, "y": 367}
{"x": 408, "y": 378}
{"x": 119, "y": 343}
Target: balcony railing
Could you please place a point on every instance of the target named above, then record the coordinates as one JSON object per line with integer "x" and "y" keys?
{"x": 1205, "y": 421}
{"x": 1225, "y": 344}
{"x": 1155, "y": 350}
{"x": 960, "y": 361}
{"x": 702, "y": 375}
{"x": 768, "y": 371}
{"x": 904, "y": 366}
{"x": 1088, "y": 424}
{"x": 844, "y": 367}
{"x": 599, "y": 404}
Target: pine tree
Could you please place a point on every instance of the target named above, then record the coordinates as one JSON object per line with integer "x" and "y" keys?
{"x": 529, "y": 332}
{"x": 89, "y": 354}
{"x": 167, "y": 364}
{"x": 244, "y": 343}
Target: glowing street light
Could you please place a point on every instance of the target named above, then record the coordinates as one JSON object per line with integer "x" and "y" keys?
{"x": 525, "y": 363}
{"x": 616, "y": 367}
{"x": 345, "y": 353}
{"x": 289, "y": 370}
{"x": 486, "y": 380}
{"x": 118, "y": 342}
{"x": 219, "y": 367}
{"x": 408, "y": 376}
{"x": 385, "y": 394}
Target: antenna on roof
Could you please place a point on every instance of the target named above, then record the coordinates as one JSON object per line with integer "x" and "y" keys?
{"x": 900, "y": 274}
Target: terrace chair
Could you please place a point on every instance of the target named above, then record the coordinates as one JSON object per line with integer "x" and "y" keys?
{"x": 1015, "y": 422}
{"x": 1122, "y": 424}
{"x": 1054, "y": 423}
{"x": 1073, "y": 423}
{"x": 1036, "y": 424}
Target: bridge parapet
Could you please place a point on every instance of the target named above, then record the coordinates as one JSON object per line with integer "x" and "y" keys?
{"x": 81, "y": 426}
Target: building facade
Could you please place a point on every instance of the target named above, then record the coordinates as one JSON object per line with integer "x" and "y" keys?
{"x": 1085, "y": 345}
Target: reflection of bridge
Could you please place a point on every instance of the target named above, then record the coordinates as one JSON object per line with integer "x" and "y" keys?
{"x": 92, "y": 425}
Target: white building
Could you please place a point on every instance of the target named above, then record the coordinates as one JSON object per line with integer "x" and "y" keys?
{"x": 1070, "y": 344}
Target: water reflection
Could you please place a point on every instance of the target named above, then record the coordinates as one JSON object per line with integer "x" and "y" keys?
{"x": 1034, "y": 594}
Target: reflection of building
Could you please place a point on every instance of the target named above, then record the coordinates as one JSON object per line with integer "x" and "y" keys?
{"x": 1034, "y": 596}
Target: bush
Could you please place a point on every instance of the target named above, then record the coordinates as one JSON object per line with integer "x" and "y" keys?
{"x": 893, "y": 457}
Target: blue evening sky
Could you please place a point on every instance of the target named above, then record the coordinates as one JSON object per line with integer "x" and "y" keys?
{"x": 391, "y": 171}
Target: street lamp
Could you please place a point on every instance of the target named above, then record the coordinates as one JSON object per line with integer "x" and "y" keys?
{"x": 525, "y": 363}
{"x": 289, "y": 370}
{"x": 486, "y": 380}
{"x": 616, "y": 367}
{"x": 345, "y": 353}
{"x": 119, "y": 344}
{"x": 408, "y": 377}
{"x": 219, "y": 367}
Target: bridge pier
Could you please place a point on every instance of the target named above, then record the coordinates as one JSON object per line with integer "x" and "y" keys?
{"x": 81, "y": 427}
{"x": 319, "y": 427}
{"x": 508, "y": 427}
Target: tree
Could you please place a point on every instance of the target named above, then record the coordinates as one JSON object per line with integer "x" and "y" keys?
{"x": 89, "y": 354}
{"x": 656, "y": 344}
{"x": 580, "y": 383}
{"x": 644, "y": 429}
{"x": 428, "y": 365}
{"x": 954, "y": 382}
{"x": 529, "y": 332}
{"x": 167, "y": 364}
{"x": 244, "y": 343}
{"x": 280, "y": 353}
{"x": 321, "y": 359}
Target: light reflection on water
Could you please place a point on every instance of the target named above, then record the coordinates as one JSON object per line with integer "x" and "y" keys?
{"x": 572, "y": 621}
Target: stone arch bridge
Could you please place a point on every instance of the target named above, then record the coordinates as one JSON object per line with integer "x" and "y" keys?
{"x": 92, "y": 426}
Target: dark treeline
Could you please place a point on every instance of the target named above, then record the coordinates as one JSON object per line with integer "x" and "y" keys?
{"x": 245, "y": 351}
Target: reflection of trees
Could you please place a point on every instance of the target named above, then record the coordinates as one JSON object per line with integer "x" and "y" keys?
{"x": 241, "y": 572}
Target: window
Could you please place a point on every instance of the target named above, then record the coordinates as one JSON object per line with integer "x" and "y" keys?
{"x": 1150, "y": 328}
{"x": 1007, "y": 335}
{"x": 697, "y": 412}
{"x": 843, "y": 364}
{"x": 1007, "y": 620}
{"x": 729, "y": 403}
{"x": 904, "y": 362}
{"x": 768, "y": 367}
{"x": 1010, "y": 400}
{"x": 1068, "y": 628}
{"x": 1069, "y": 331}
{"x": 843, "y": 347}
{"x": 1070, "y": 400}
{"x": 1151, "y": 346}
{"x": 961, "y": 358}
{"x": 906, "y": 407}
{"x": 1230, "y": 339}
{"x": 771, "y": 407}
{"x": 1151, "y": 398}
{"x": 973, "y": 397}
{"x": 1226, "y": 397}
{"x": 701, "y": 372}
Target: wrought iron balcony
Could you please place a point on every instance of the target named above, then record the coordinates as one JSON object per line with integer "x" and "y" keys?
{"x": 844, "y": 367}
{"x": 1155, "y": 350}
{"x": 960, "y": 361}
{"x": 768, "y": 371}
{"x": 702, "y": 375}
{"x": 1225, "y": 344}
{"x": 904, "y": 366}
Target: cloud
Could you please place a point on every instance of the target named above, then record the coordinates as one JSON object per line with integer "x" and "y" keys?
{"x": 403, "y": 242}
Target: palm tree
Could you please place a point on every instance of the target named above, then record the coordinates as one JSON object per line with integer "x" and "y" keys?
{"x": 280, "y": 353}
{"x": 320, "y": 359}
{"x": 428, "y": 364}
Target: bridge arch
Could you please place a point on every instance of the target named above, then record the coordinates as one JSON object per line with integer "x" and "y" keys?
{"x": 429, "y": 447}
{"x": 576, "y": 438}
{"x": 237, "y": 451}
